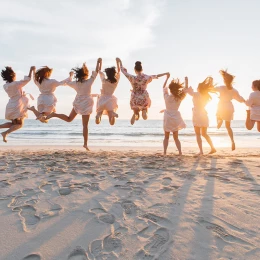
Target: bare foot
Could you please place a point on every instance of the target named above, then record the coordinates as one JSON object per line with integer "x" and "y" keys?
{"x": 233, "y": 147}
{"x": 86, "y": 147}
{"x": 112, "y": 120}
{"x": 180, "y": 154}
{"x": 144, "y": 114}
{"x": 137, "y": 116}
{"x": 4, "y": 134}
{"x": 213, "y": 151}
{"x": 199, "y": 154}
{"x": 98, "y": 120}
{"x": 133, "y": 119}
{"x": 50, "y": 115}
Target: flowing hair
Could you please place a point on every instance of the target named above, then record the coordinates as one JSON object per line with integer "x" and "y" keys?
{"x": 205, "y": 87}
{"x": 42, "y": 73}
{"x": 256, "y": 84}
{"x": 176, "y": 88}
{"x": 8, "y": 74}
{"x": 111, "y": 74}
{"x": 81, "y": 73}
{"x": 228, "y": 78}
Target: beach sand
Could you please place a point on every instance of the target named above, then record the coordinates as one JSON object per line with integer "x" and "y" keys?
{"x": 63, "y": 203}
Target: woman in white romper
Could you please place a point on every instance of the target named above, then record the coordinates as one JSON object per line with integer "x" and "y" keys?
{"x": 200, "y": 116}
{"x": 83, "y": 103}
{"x": 172, "y": 121}
{"x": 16, "y": 108}
{"x": 225, "y": 111}
{"x": 253, "y": 102}
{"x": 46, "y": 102}
{"x": 107, "y": 102}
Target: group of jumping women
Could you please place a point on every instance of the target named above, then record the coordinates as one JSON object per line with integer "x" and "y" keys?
{"x": 174, "y": 93}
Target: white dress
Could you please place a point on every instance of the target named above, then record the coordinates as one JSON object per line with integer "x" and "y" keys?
{"x": 172, "y": 120}
{"x": 83, "y": 102}
{"x": 46, "y": 102}
{"x": 253, "y": 103}
{"x": 199, "y": 113}
{"x": 225, "y": 109}
{"x": 18, "y": 102}
{"x": 107, "y": 101}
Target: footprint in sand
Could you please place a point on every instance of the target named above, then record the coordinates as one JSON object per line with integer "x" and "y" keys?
{"x": 142, "y": 255}
{"x": 46, "y": 187}
{"x": 104, "y": 256}
{"x": 96, "y": 247}
{"x": 107, "y": 218}
{"x": 166, "y": 181}
{"x": 111, "y": 243}
{"x": 32, "y": 257}
{"x": 52, "y": 212}
{"x": 129, "y": 207}
{"x": 158, "y": 220}
{"x": 29, "y": 218}
{"x": 94, "y": 187}
{"x": 64, "y": 191}
{"x": 78, "y": 254}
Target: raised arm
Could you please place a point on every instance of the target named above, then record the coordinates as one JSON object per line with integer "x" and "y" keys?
{"x": 188, "y": 89}
{"x": 31, "y": 71}
{"x": 118, "y": 62}
{"x": 163, "y": 74}
{"x": 167, "y": 77}
{"x": 99, "y": 64}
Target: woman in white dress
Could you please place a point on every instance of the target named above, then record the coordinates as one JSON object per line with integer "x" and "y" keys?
{"x": 172, "y": 121}
{"x": 200, "y": 116}
{"x": 225, "y": 111}
{"x": 140, "y": 100}
{"x": 83, "y": 103}
{"x": 46, "y": 102}
{"x": 107, "y": 102}
{"x": 253, "y": 102}
{"x": 16, "y": 108}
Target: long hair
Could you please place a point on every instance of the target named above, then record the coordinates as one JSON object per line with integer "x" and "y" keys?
{"x": 228, "y": 78}
{"x": 8, "y": 74}
{"x": 205, "y": 87}
{"x": 43, "y": 73}
{"x": 138, "y": 66}
{"x": 256, "y": 84}
{"x": 111, "y": 74}
{"x": 81, "y": 73}
{"x": 176, "y": 88}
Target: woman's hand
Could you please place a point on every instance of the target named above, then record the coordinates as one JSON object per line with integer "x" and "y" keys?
{"x": 186, "y": 82}
{"x": 71, "y": 74}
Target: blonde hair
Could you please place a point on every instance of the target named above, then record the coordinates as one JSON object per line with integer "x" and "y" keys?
{"x": 228, "y": 78}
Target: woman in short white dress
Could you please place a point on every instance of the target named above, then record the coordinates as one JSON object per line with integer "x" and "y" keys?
{"x": 46, "y": 103}
{"x": 83, "y": 103}
{"x": 172, "y": 121}
{"x": 107, "y": 102}
{"x": 16, "y": 108}
{"x": 253, "y": 102}
{"x": 200, "y": 116}
{"x": 225, "y": 111}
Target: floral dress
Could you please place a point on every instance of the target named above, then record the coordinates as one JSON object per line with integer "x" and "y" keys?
{"x": 139, "y": 97}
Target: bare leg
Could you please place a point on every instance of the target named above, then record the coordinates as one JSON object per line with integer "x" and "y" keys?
{"x": 13, "y": 128}
{"x": 63, "y": 117}
{"x": 6, "y": 125}
{"x": 98, "y": 117}
{"x": 36, "y": 112}
{"x": 177, "y": 141}
{"x": 208, "y": 139}
{"x": 219, "y": 122}
{"x": 166, "y": 142}
{"x": 230, "y": 133}
{"x": 111, "y": 116}
{"x": 249, "y": 123}
{"x": 258, "y": 126}
{"x": 135, "y": 116}
{"x": 198, "y": 137}
{"x": 144, "y": 114}
{"x": 85, "y": 120}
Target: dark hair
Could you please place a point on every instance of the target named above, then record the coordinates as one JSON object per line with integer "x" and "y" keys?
{"x": 138, "y": 66}
{"x": 228, "y": 78}
{"x": 8, "y": 74}
{"x": 42, "y": 74}
{"x": 81, "y": 73}
{"x": 111, "y": 74}
{"x": 256, "y": 84}
{"x": 205, "y": 87}
{"x": 176, "y": 88}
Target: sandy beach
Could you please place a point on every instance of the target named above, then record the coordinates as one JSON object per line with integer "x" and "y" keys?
{"x": 125, "y": 204}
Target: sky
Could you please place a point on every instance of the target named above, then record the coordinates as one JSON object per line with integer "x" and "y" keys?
{"x": 194, "y": 38}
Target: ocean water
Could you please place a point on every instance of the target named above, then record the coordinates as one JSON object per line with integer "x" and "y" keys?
{"x": 143, "y": 134}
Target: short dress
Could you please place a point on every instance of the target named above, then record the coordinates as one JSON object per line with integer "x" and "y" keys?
{"x": 83, "y": 102}
{"x": 253, "y": 103}
{"x": 172, "y": 120}
{"x": 199, "y": 113}
{"x": 139, "y": 98}
{"x": 225, "y": 109}
{"x": 18, "y": 103}
{"x": 47, "y": 101}
{"x": 107, "y": 101}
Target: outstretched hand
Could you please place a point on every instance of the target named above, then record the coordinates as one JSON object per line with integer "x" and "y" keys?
{"x": 186, "y": 82}
{"x": 71, "y": 74}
